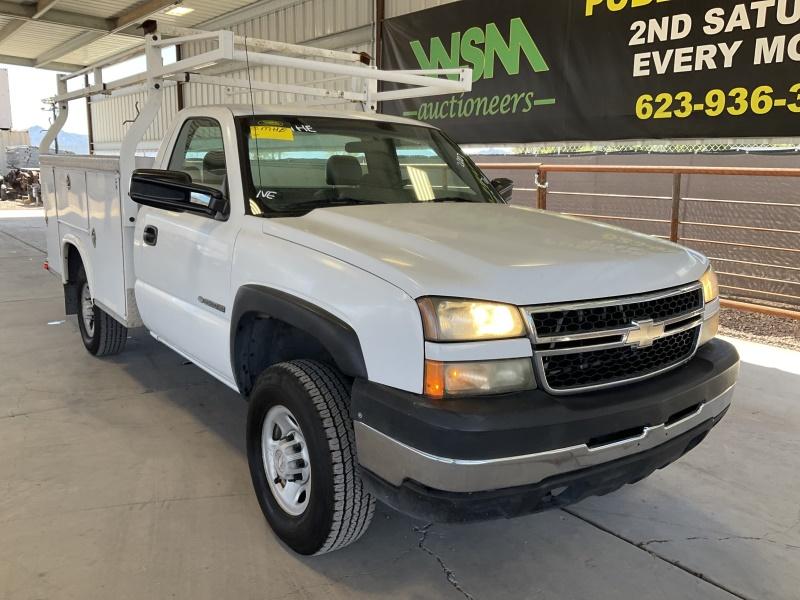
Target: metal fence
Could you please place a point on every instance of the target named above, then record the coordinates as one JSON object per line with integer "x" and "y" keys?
{"x": 627, "y": 147}
{"x": 754, "y": 243}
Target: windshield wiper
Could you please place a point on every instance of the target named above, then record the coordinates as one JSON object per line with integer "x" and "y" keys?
{"x": 453, "y": 199}
{"x": 330, "y": 202}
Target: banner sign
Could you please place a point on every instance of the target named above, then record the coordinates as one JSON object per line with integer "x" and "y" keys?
{"x": 558, "y": 70}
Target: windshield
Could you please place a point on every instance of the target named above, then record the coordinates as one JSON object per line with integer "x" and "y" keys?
{"x": 297, "y": 164}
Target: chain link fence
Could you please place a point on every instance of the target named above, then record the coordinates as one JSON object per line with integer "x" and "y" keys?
{"x": 645, "y": 147}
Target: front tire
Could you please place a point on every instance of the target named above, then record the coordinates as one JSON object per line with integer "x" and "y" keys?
{"x": 101, "y": 333}
{"x": 302, "y": 456}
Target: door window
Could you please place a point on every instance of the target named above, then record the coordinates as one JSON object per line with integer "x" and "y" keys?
{"x": 200, "y": 153}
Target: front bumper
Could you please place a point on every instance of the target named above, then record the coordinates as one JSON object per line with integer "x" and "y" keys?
{"x": 507, "y": 443}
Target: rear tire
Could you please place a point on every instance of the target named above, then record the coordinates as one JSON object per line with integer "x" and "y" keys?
{"x": 306, "y": 402}
{"x": 101, "y": 333}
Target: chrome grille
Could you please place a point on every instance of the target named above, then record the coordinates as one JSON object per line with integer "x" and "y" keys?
{"x": 610, "y": 316}
{"x": 591, "y": 345}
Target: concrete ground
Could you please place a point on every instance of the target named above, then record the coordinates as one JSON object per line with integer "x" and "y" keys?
{"x": 126, "y": 478}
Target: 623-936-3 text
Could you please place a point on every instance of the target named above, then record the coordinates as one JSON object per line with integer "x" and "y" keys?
{"x": 762, "y": 100}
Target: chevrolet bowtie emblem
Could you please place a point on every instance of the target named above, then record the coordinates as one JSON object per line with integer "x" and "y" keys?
{"x": 644, "y": 333}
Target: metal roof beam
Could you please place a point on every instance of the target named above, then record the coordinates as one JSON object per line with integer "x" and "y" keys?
{"x": 10, "y": 28}
{"x": 30, "y": 62}
{"x": 56, "y": 17}
{"x": 141, "y": 12}
{"x": 126, "y": 19}
{"x": 42, "y": 6}
{"x": 83, "y": 39}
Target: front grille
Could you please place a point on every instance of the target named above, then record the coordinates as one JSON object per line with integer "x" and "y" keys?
{"x": 591, "y": 345}
{"x": 598, "y": 318}
{"x": 582, "y": 369}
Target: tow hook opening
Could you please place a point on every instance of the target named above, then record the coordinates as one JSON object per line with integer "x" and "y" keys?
{"x": 612, "y": 438}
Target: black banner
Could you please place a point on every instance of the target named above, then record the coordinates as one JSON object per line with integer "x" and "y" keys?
{"x": 558, "y": 70}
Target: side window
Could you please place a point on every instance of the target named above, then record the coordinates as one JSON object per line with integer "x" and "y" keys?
{"x": 200, "y": 153}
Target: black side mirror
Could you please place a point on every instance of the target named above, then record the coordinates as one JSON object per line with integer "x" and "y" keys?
{"x": 175, "y": 191}
{"x": 504, "y": 187}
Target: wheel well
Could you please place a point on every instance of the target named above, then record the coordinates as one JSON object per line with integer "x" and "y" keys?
{"x": 72, "y": 259}
{"x": 262, "y": 341}
{"x": 73, "y": 263}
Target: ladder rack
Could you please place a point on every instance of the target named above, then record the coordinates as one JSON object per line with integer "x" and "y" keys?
{"x": 235, "y": 52}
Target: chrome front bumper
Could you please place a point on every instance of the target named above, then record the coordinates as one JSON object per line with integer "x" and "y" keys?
{"x": 395, "y": 462}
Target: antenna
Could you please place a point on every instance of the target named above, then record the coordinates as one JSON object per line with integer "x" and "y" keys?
{"x": 252, "y": 111}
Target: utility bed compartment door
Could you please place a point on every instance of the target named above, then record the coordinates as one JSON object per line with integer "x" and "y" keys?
{"x": 71, "y": 198}
{"x": 47, "y": 181}
{"x": 105, "y": 233}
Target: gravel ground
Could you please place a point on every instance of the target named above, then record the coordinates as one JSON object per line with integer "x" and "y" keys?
{"x": 774, "y": 331}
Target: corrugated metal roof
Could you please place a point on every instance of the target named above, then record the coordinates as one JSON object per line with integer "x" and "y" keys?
{"x": 98, "y": 8}
{"x": 70, "y": 18}
{"x": 35, "y": 38}
{"x": 204, "y": 10}
{"x": 99, "y": 49}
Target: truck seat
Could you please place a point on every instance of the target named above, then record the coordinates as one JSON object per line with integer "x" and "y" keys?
{"x": 214, "y": 170}
{"x": 343, "y": 170}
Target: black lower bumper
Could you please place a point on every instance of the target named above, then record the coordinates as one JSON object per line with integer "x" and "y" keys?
{"x": 501, "y": 456}
{"x": 432, "y": 505}
{"x": 534, "y": 421}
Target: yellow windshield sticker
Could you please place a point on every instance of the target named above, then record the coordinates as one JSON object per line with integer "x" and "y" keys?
{"x": 271, "y": 131}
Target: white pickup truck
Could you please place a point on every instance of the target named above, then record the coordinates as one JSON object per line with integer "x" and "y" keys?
{"x": 400, "y": 330}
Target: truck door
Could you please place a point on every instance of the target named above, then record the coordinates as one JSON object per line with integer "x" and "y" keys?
{"x": 183, "y": 261}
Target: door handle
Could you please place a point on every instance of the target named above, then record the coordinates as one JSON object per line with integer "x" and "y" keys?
{"x": 150, "y": 235}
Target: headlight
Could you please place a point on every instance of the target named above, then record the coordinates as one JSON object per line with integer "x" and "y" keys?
{"x": 451, "y": 320}
{"x": 478, "y": 378}
{"x": 710, "y": 285}
{"x": 710, "y": 327}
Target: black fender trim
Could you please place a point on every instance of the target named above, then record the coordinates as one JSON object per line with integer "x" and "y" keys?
{"x": 336, "y": 336}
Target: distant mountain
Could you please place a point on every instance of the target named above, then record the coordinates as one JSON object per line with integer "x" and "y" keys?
{"x": 76, "y": 143}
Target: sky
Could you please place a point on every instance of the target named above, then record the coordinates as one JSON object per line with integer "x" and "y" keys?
{"x": 28, "y": 87}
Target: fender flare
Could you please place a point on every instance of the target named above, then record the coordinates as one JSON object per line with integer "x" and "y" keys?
{"x": 336, "y": 336}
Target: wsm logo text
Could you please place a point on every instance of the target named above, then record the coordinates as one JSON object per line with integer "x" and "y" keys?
{"x": 481, "y": 48}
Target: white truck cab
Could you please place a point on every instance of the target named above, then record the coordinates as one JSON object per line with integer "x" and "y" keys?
{"x": 400, "y": 331}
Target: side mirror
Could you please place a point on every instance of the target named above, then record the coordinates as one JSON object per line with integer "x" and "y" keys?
{"x": 504, "y": 187}
{"x": 175, "y": 191}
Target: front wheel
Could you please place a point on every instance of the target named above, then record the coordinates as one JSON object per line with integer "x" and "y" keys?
{"x": 302, "y": 456}
{"x": 101, "y": 333}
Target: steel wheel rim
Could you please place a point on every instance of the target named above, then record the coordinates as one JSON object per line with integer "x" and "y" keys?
{"x": 87, "y": 309}
{"x": 284, "y": 453}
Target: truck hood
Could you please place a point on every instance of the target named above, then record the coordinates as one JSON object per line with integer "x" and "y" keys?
{"x": 491, "y": 252}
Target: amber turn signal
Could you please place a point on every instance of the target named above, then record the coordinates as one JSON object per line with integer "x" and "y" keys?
{"x": 434, "y": 379}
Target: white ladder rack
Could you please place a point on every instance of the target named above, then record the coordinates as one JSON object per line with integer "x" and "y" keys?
{"x": 242, "y": 52}
{"x": 239, "y": 52}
